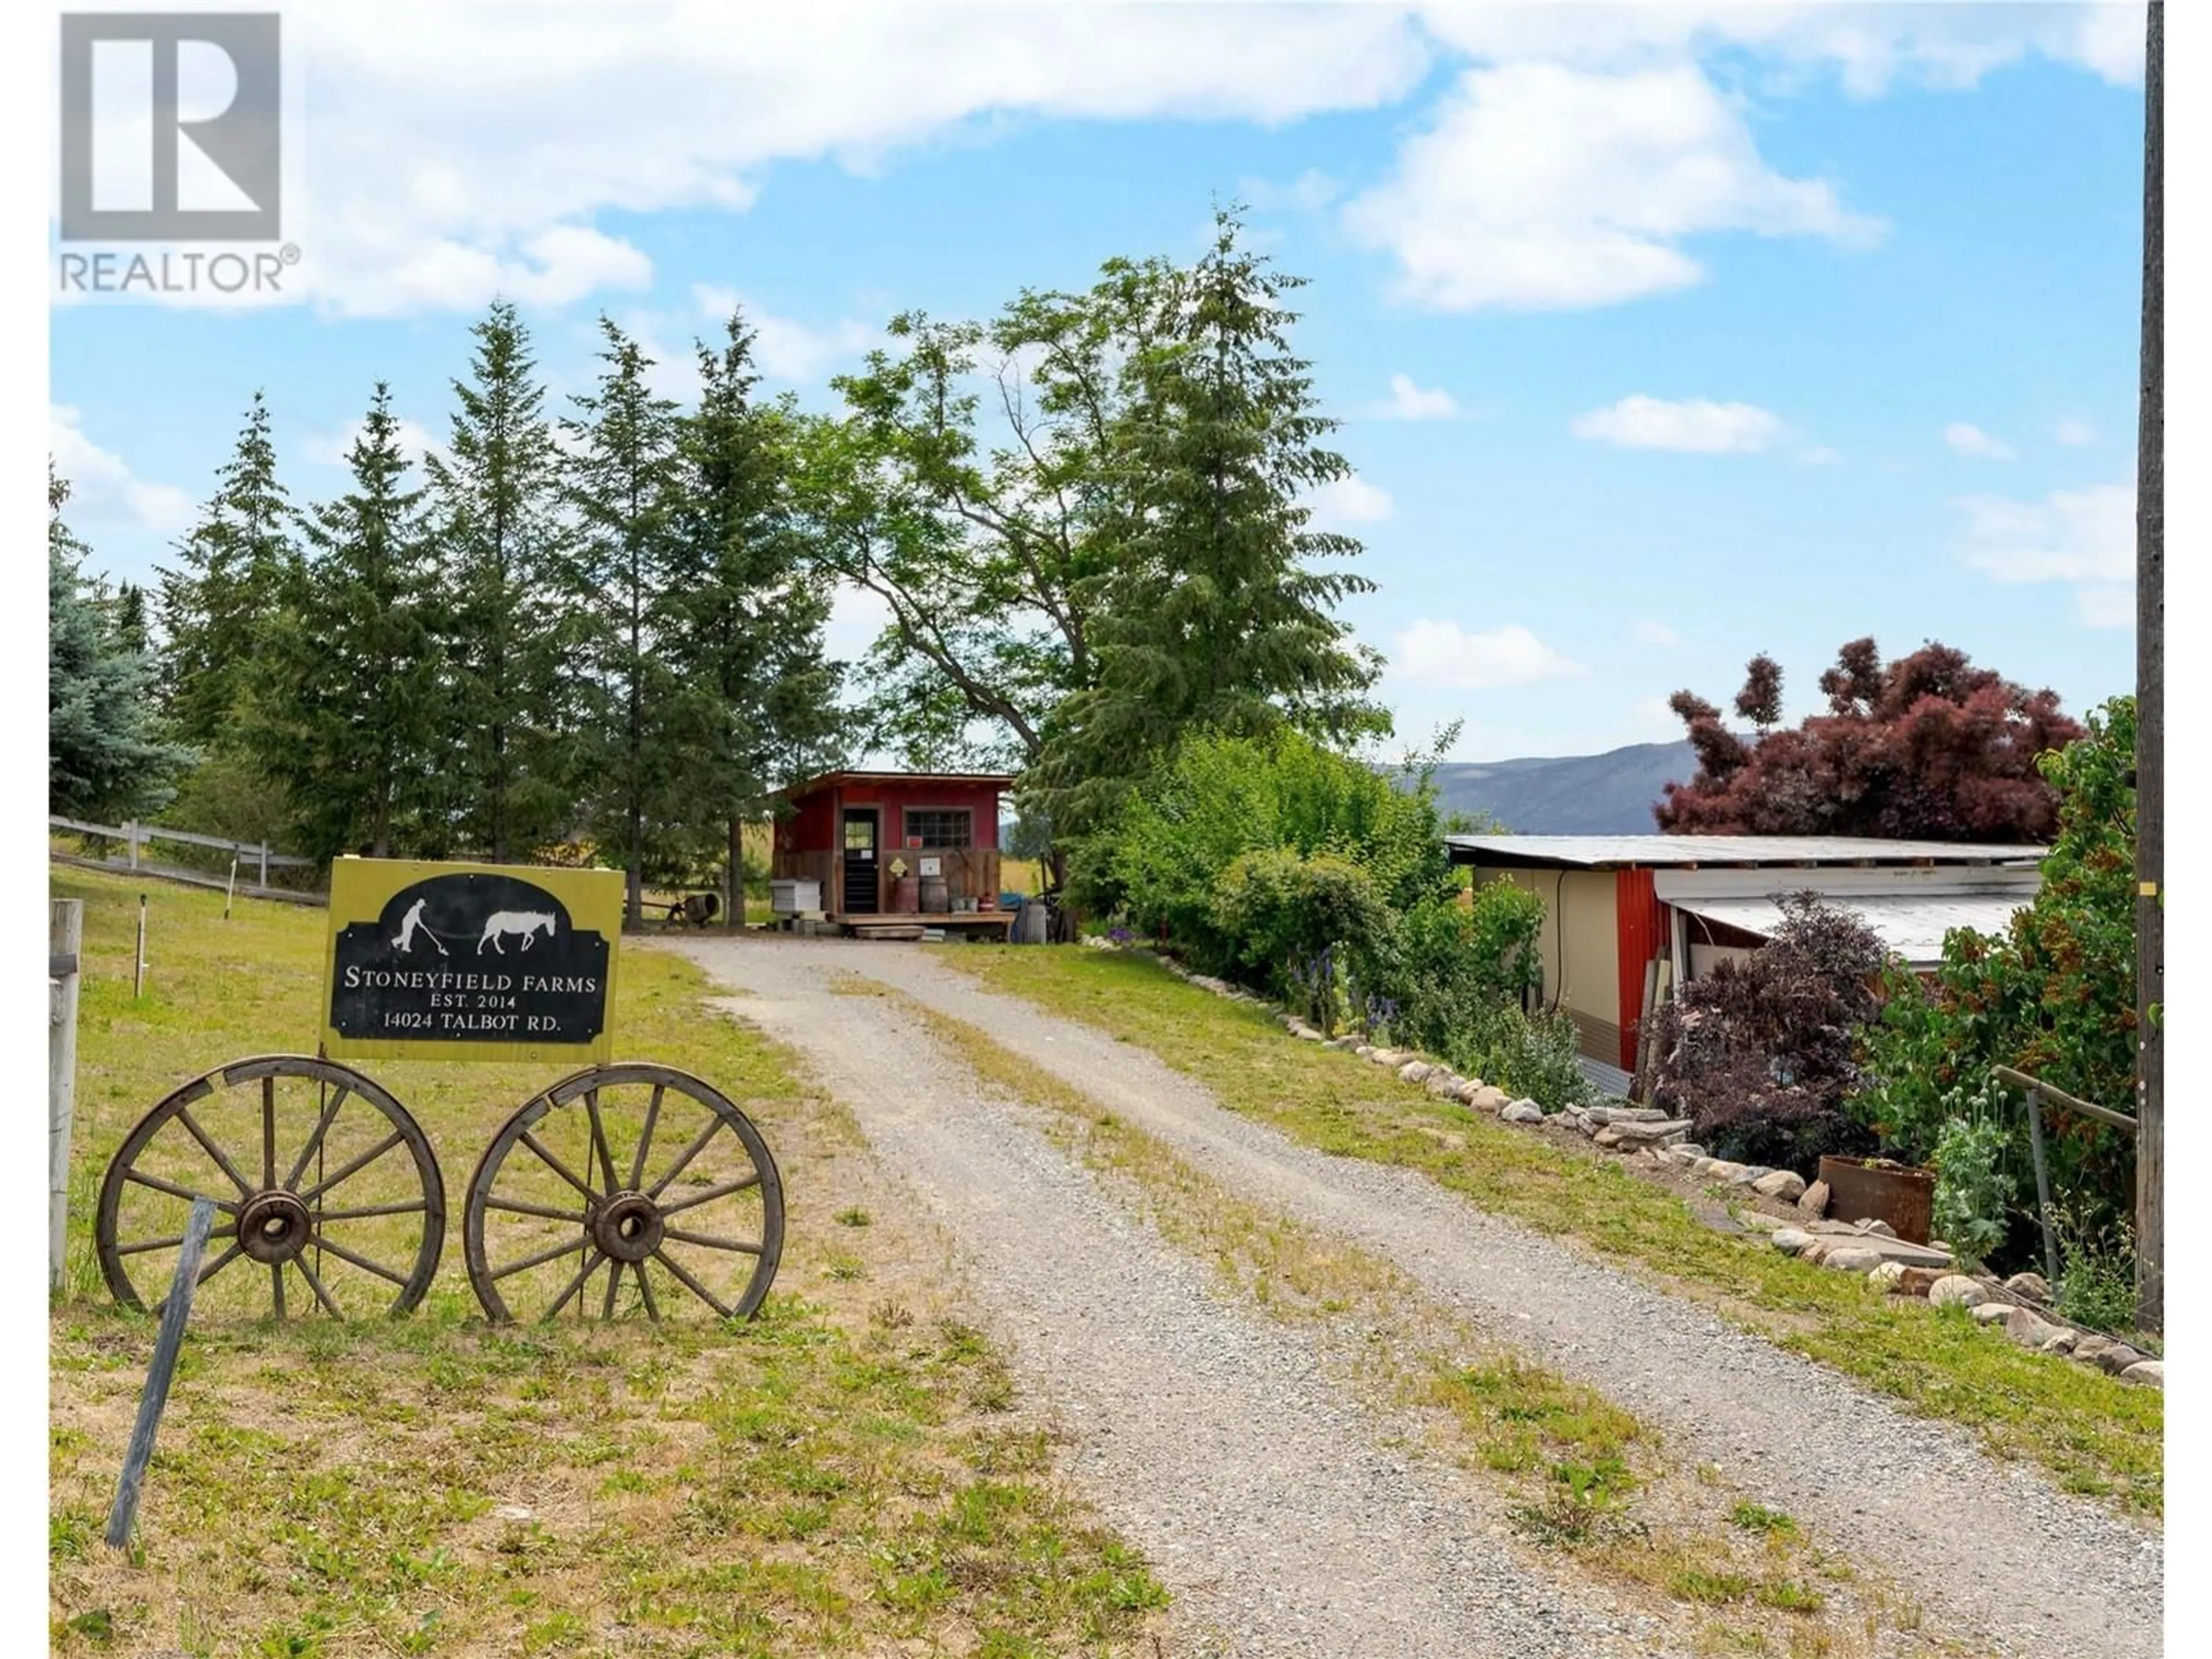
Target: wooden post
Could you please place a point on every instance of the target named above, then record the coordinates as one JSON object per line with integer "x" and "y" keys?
{"x": 138, "y": 962}
{"x": 264, "y": 866}
{"x": 2150, "y": 705}
{"x": 176, "y": 1307}
{"x": 230, "y": 892}
{"x": 64, "y": 939}
{"x": 130, "y": 839}
{"x": 2042, "y": 1186}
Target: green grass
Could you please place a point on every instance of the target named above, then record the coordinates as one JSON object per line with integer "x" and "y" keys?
{"x": 2093, "y": 1433}
{"x": 838, "y": 1476}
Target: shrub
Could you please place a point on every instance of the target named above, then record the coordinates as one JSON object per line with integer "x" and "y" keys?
{"x": 1280, "y": 916}
{"x": 1760, "y": 1055}
{"x": 1531, "y": 1054}
{"x": 2096, "y": 1270}
{"x": 1972, "y": 1193}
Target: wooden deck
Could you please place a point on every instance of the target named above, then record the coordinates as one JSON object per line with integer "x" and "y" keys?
{"x": 910, "y": 924}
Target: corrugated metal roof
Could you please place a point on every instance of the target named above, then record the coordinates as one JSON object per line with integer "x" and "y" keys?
{"x": 1910, "y": 924}
{"x": 1613, "y": 852}
{"x": 823, "y": 780}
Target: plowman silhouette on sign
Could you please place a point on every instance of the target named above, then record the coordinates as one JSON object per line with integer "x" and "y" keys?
{"x": 408, "y": 925}
{"x": 527, "y": 923}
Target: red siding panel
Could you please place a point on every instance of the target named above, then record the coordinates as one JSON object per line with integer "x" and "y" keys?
{"x": 1642, "y": 923}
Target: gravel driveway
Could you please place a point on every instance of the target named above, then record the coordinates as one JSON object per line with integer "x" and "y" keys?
{"x": 1210, "y": 1436}
{"x": 1175, "y": 1384}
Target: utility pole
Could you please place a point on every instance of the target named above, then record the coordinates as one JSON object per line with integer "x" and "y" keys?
{"x": 2150, "y": 706}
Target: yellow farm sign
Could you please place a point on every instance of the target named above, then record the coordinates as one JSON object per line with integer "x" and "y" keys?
{"x": 483, "y": 962}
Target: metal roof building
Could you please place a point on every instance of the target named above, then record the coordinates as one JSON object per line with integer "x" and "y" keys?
{"x": 1628, "y": 917}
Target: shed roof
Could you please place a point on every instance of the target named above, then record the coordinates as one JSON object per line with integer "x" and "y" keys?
{"x": 999, "y": 780}
{"x": 1661, "y": 852}
{"x": 1910, "y": 924}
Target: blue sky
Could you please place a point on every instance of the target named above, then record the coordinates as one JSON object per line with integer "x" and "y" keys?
{"x": 1661, "y": 335}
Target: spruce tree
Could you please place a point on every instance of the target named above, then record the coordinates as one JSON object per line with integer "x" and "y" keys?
{"x": 1217, "y": 612}
{"x": 237, "y": 567}
{"x": 746, "y": 609}
{"x": 509, "y": 707}
{"x": 623, "y": 473}
{"x": 346, "y": 703}
{"x": 105, "y": 759}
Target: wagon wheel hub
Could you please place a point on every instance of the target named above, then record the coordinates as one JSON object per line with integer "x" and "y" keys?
{"x": 274, "y": 1226}
{"x": 628, "y": 1226}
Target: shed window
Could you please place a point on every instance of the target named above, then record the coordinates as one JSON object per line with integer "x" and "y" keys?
{"x": 939, "y": 827}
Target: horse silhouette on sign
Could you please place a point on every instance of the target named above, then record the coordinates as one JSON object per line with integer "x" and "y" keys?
{"x": 503, "y": 924}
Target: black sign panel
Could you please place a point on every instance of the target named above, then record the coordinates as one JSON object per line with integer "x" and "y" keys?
{"x": 471, "y": 958}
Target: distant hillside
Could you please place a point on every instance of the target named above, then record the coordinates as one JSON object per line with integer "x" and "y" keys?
{"x": 1611, "y": 793}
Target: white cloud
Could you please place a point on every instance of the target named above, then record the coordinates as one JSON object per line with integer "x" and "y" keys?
{"x": 103, "y": 489}
{"x": 1820, "y": 455}
{"x": 1409, "y": 402}
{"x": 1349, "y": 500}
{"x": 857, "y": 616}
{"x": 784, "y": 348}
{"x": 1969, "y": 439}
{"x": 1695, "y": 425}
{"x": 2086, "y": 538}
{"x": 1652, "y": 632}
{"x": 1445, "y": 657}
{"x": 1536, "y": 185}
{"x": 2074, "y": 433}
{"x": 1310, "y": 193}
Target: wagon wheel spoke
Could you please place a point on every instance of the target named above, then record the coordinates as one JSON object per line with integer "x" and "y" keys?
{"x": 315, "y": 1141}
{"x": 599, "y": 1138}
{"x": 360, "y": 1262}
{"x": 192, "y": 1127}
{"x": 711, "y": 1193}
{"x": 145, "y": 1245}
{"x": 412, "y": 1207}
{"x": 689, "y": 1283}
{"x": 645, "y": 1290}
{"x": 645, "y": 1142}
{"x": 614, "y": 1284}
{"x": 515, "y": 1205}
{"x": 591, "y": 1265}
{"x": 353, "y": 1167}
{"x": 556, "y": 1165}
{"x": 276, "y": 1284}
{"x": 269, "y": 1143}
{"x": 315, "y": 1284}
{"x": 142, "y": 1179}
{"x": 206, "y": 1273}
{"x": 697, "y": 1146}
{"x": 708, "y": 1241}
{"x": 554, "y": 1253}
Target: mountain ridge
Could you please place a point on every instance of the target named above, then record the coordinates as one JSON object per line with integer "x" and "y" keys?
{"x": 1610, "y": 793}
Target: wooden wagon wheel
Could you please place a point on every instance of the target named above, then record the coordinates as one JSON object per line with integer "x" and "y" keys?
{"x": 317, "y": 1173}
{"x": 571, "y": 1187}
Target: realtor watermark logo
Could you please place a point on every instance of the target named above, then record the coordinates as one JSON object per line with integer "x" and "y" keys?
{"x": 172, "y": 132}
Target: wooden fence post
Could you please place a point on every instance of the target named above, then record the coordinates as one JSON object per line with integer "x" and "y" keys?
{"x": 176, "y": 1307}
{"x": 130, "y": 839}
{"x": 138, "y": 962}
{"x": 264, "y": 866}
{"x": 64, "y": 939}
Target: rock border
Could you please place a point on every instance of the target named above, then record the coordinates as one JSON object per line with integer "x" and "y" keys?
{"x": 2019, "y": 1307}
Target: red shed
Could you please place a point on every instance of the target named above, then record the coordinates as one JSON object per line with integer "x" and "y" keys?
{"x": 893, "y": 849}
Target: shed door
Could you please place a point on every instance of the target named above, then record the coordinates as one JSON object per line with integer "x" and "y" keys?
{"x": 862, "y": 896}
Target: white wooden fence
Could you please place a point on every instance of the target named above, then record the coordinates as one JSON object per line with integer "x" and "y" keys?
{"x": 136, "y": 836}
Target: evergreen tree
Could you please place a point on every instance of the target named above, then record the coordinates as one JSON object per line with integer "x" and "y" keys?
{"x": 1214, "y": 615}
{"x": 104, "y": 760}
{"x": 746, "y": 609}
{"x": 237, "y": 567}
{"x": 346, "y": 703}
{"x": 511, "y": 690}
{"x": 621, "y": 481}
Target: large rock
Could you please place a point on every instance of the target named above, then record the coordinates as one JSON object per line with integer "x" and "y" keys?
{"x": 1791, "y": 1240}
{"x": 1487, "y": 1097}
{"x": 2028, "y": 1328}
{"x": 1393, "y": 1058}
{"x": 1815, "y": 1199}
{"x": 1443, "y": 1083}
{"x": 2061, "y": 1339}
{"x": 1885, "y": 1277}
{"x": 1721, "y": 1168}
{"x": 1992, "y": 1312}
{"x": 1522, "y": 1111}
{"x": 1957, "y": 1291}
{"x": 2151, "y": 1373}
{"x": 2033, "y": 1284}
{"x": 1785, "y": 1184}
{"x": 1365, "y": 1051}
{"x": 1608, "y": 1136}
{"x": 1650, "y": 1131}
{"x": 1414, "y": 1071}
{"x": 1918, "y": 1281}
{"x": 1866, "y": 1225}
{"x": 2106, "y": 1355}
{"x": 1851, "y": 1259}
